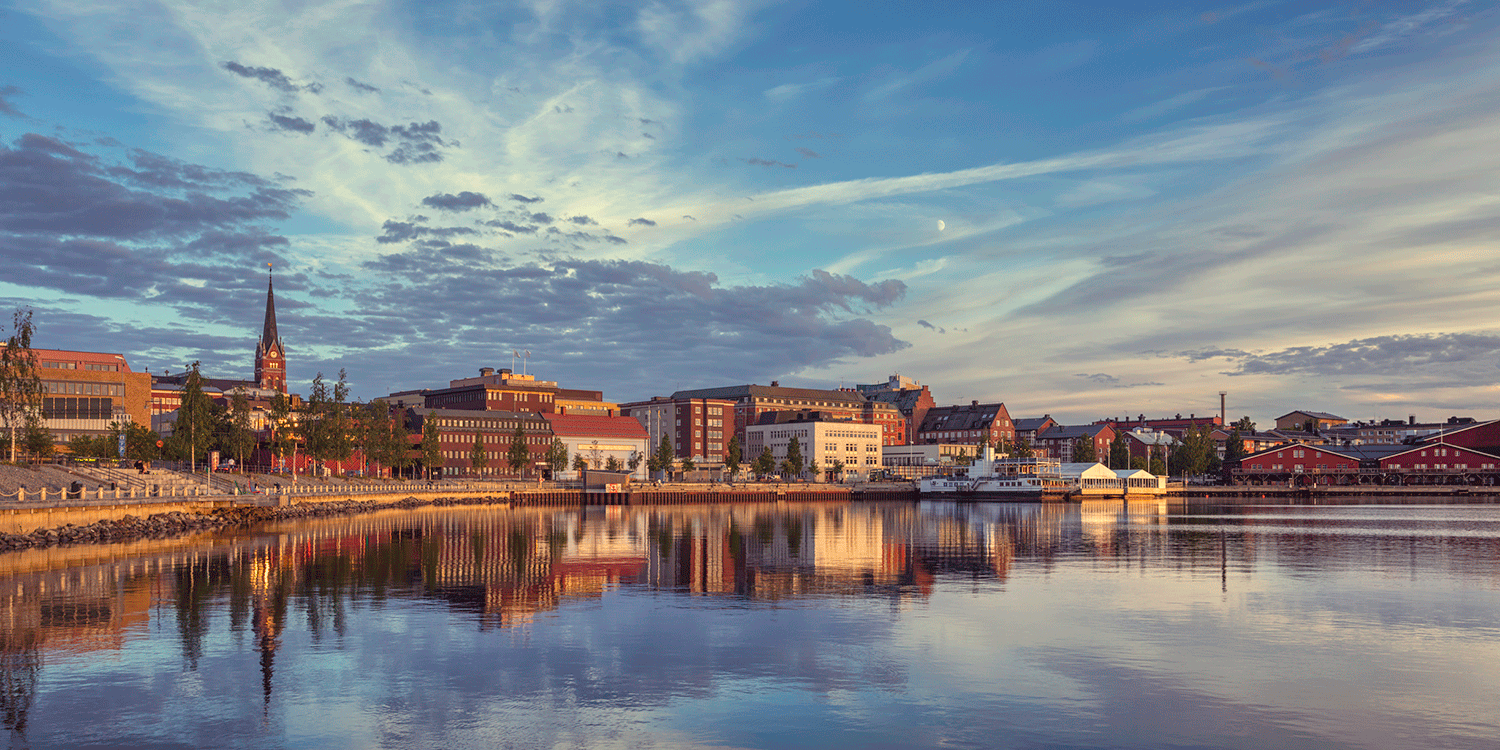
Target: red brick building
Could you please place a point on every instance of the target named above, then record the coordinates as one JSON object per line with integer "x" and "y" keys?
{"x": 458, "y": 428}
{"x": 1482, "y": 436}
{"x": 1058, "y": 441}
{"x": 698, "y": 428}
{"x": 967, "y": 425}
{"x": 1301, "y": 459}
{"x": 909, "y": 397}
{"x": 1439, "y": 456}
{"x": 751, "y": 401}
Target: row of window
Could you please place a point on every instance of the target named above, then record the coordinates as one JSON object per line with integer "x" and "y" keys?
{"x": 86, "y": 366}
{"x": 68, "y": 388}
{"x": 78, "y": 408}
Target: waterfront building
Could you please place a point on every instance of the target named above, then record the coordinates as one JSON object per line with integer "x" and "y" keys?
{"x": 751, "y": 401}
{"x": 83, "y": 392}
{"x": 968, "y": 425}
{"x": 458, "y": 428}
{"x": 1394, "y": 430}
{"x": 1029, "y": 427}
{"x": 698, "y": 428}
{"x": 924, "y": 459}
{"x": 823, "y": 439}
{"x": 909, "y": 397}
{"x": 270, "y": 354}
{"x": 598, "y": 439}
{"x": 492, "y": 390}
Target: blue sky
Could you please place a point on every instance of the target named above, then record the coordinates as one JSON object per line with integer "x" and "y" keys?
{"x": 1140, "y": 204}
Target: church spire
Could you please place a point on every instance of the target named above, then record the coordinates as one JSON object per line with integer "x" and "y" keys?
{"x": 270, "y": 355}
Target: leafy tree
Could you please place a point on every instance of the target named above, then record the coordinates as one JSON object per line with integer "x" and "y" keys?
{"x": 193, "y": 433}
{"x": 557, "y": 456}
{"x": 984, "y": 442}
{"x": 688, "y": 465}
{"x": 963, "y": 458}
{"x": 1119, "y": 452}
{"x": 478, "y": 457}
{"x": 733, "y": 455}
{"x": 38, "y": 439}
{"x": 240, "y": 438}
{"x": 1197, "y": 454}
{"x": 1139, "y": 463}
{"x": 613, "y": 464}
{"x": 1158, "y": 466}
{"x": 634, "y": 463}
{"x": 85, "y": 446}
{"x": 283, "y": 428}
{"x": 431, "y": 448}
{"x": 765, "y": 463}
{"x": 1022, "y": 449}
{"x": 580, "y": 464}
{"x": 517, "y": 455}
{"x": 1244, "y": 425}
{"x": 595, "y": 454}
{"x": 326, "y": 425}
{"x": 1234, "y": 447}
{"x": 838, "y": 470}
{"x": 389, "y": 444}
{"x": 786, "y": 469}
{"x": 794, "y": 456}
{"x": 1083, "y": 449}
{"x": 140, "y": 442}
{"x": 20, "y": 381}
{"x": 665, "y": 456}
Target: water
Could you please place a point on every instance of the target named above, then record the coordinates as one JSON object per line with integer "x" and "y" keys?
{"x": 747, "y": 626}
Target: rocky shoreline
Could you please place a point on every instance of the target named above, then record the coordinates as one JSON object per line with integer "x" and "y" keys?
{"x": 164, "y": 525}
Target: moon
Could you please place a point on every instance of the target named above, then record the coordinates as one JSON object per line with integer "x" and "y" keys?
{"x": 941, "y": 225}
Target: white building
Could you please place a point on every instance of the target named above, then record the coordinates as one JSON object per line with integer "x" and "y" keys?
{"x": 1092, "y": 478}
{"x": 824, "y": 444}
{"x": 598, "y": 439}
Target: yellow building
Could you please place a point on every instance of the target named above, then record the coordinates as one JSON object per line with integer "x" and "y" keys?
{"x": 83, "y": 392}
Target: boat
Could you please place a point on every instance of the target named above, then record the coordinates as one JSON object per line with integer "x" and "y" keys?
{"x": 998, "y": 479}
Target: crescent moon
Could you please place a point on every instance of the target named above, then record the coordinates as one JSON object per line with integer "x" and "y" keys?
{"x": 941, "y": 225}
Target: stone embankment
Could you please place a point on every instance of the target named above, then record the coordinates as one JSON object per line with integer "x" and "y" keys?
{"x": 163, "y": 525}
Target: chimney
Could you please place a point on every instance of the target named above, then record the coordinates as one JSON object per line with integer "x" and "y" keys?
{"x": 975, "y": 402}
{"x": 1411, "y": 419}
{"x": 505, "y": 371}
{"x": 775, "y": 383}
{"x": 485, "y": 372}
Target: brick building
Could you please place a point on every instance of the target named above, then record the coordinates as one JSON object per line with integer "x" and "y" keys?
{"x": 698, "y": 428}
{"x": 83, "y": 392}
{"x": 909, "y": 397}
{"x": 968, "y": 425}
{"x": 751, "y": 401}
{"x": 458, "y": 428}
{"x": 1057, "y": 442}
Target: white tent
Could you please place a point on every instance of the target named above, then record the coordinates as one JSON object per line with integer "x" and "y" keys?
{"x": 1139, "y": 480}
{"x": 1091, "y": 476}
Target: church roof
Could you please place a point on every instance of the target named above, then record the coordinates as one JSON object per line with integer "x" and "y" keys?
{"x": 268, "y": 335}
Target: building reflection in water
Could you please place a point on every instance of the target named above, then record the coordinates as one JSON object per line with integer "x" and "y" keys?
{"x": 506, "y": 567}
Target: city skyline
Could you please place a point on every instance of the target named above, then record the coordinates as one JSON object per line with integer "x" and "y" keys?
{"x": 1070, "y": 209}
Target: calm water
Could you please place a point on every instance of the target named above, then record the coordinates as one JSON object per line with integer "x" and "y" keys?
{"x": 770, "y": 626}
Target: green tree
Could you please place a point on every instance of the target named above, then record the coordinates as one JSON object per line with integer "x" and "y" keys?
{"x": 1244, "y": 425}
{"x": 635, "y": 461}
{"x": 1119, "y": 452}
{"x": 765, "y": 463}
{"x": 479, "y": 459}
{"x": 1139, "y": 463}
{"x": 38, "y": 439}
{"x": 1022, "y": 449}
{"x": 1158, "y": 466}
{"x": 241, "y": 437}
{"x": 787, "y": 470}
{"x": 20, "y": 379}
{"x": 580, "y": 464}
{"x": 431, "y": 448}
{"x": 733, "y": 455}
{"x": 688, "y": 465}
{"x": 517, "y": 455}
{"x": 326, "y": 425}
{"x": 613, "y": 464}
{"x": 140, "y": 442}
{"x": 1083, "y": 449}
{"x": 963, "y": 458}
{"x": 794, "y": 456}
{"x": 1198, "y": 453}
{"x": 557, "y": 456}
{"x": 1234, "y": 448}
{"x": 388, "y": 441}
{"x": 282, "y": 423}
{"x": 665, "y": 456}
{"x": 838, "y": 470}
{"x": 193, "y": 432}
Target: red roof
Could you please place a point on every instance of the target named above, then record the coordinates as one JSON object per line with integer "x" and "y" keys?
{"x": 591, "y": 426}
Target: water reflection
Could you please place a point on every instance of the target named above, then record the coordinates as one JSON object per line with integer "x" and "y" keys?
{"x": 893, "y": 624}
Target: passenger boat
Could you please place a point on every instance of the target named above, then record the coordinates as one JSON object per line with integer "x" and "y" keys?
{"x": 998, "y": 479}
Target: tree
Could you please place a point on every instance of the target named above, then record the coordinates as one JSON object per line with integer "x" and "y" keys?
{"x": 838, "y": 470}
{"x": 431, "y": 447}
{"x": 665, "y": 456}
{"x": 478, "y": 458}
{"x": 140, "y": 442}
{"x": 733, "y": 455}
{"x": 387, "y": 442}
{"x": 786, "y": 469}
{"x": 90, "y": 446}
{"x": 517, "y": 455}
{"x": 20, "y": 381}
{"x": 595, "y": 454}
{"x": 1083, "y": 449}
{"x": 688, "y": 465}
{"x": 557, "y": 456}
{"x": 580, "y": 464}
{"x": 634, "y": 462}
{"x": 612, "y": 464}
{"x": 38, "y": 439}
{"x": 326, "y": 425}
{"x": 1234, "y": 447}
{"x": 1198, "y": 453}
{"x": 794, "y": 456}
{"x": 240, "y": 437}
{"x": 1310, "y": 425}
{"x": 1244, "y": 425}
{"x": 963, "y": 458}
{"x": 765, "y": 463}
{"x": 1119, "y": 453}
{"x": 283, "y": 429}
{"x": 1023, "y": 449}
{"x": 1158, "y": 466}
{"x": 193, "y": 432}
{"x": 1139, "y": 463}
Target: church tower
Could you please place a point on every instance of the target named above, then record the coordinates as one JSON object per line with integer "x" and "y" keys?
{"x": 270, "y": 356}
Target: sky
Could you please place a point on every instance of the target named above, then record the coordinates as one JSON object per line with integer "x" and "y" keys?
{"x": 1083, "y": 209}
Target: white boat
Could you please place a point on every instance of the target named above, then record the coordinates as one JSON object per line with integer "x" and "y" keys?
{"x": 998, "y": 479}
